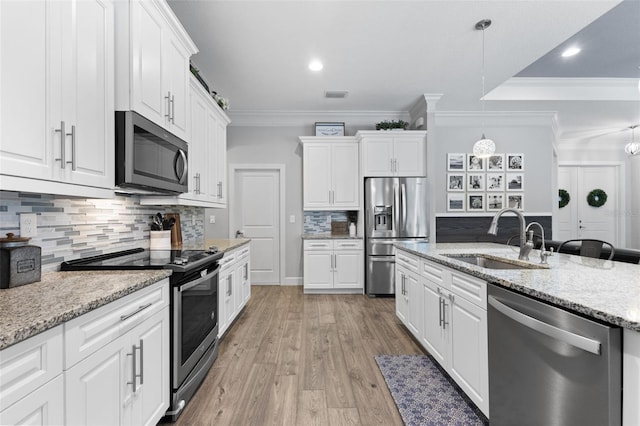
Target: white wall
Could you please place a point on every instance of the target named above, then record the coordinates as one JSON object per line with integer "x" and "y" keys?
{"x": 270, "y": 145}
{"x": 514, "y": 133}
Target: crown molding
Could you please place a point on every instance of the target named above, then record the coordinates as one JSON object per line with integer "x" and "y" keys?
{"x": 496, "y": 119}
{"x": 283, "y": 118}
{"x": 566, "y": 89}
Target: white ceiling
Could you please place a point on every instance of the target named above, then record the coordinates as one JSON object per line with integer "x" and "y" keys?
{"x": 388, "y": 53}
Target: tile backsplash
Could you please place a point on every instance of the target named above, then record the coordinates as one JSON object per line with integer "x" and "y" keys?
{"x": 319, "y": 222}
{"x": 70, "y": 228}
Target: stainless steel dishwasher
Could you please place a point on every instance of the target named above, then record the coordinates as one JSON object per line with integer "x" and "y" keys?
{"x": 548, "y": 366}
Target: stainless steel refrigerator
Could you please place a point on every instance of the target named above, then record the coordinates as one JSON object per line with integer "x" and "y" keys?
{"x": 396, "y": 209}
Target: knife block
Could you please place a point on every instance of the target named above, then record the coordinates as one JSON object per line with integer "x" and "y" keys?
{"x": 176, "y": 231}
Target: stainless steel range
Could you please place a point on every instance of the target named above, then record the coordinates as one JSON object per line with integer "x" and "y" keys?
{"x": 193, "y": 311}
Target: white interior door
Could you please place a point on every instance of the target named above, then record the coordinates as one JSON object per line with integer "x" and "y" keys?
{"x": 580, "y": 220}
{"x": 256, "y": 213}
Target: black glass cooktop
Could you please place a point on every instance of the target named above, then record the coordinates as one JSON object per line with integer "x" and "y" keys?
{"x": 142, "y": 259}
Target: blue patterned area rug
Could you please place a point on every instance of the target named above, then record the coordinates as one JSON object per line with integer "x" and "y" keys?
{"x": 424, "y": 395}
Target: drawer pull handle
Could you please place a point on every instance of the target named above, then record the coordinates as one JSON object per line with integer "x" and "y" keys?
{"x": 140, "y": 309}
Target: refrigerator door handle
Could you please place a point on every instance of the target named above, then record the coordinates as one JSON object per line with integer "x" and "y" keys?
{"x": 572, "y": 339}
{"x": 403, "y": 202}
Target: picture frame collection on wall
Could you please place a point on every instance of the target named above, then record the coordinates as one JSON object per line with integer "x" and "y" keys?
{"x": 484, "y": 184}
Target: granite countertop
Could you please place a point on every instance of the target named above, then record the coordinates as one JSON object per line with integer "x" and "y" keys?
{"x": 602, "y": 289}
{"x": 330, "y": 236}
{"x": 61, "y": 296}
{"x": 224, "y": 245}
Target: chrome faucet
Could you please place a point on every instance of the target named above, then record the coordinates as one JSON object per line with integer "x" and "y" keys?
{"x": 525, "y": 248}
{"x": 543, "y": 250}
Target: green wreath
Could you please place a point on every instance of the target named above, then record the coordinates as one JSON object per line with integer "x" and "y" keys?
{"x": 597, "y": 198}
{"x": 564, "y": 198}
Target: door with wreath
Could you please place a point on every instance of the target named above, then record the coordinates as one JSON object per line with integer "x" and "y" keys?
{"x": 579, "y": 219}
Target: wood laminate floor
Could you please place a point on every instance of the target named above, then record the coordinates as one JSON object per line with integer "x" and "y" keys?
{"x": 295, "y": 359}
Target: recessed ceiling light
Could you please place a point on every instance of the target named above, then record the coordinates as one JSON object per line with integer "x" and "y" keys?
{"x": 571, "y": 51}
{"x": 315, "y": 65}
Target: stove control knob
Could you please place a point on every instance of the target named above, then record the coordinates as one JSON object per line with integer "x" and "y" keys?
{"x": 180, "y": 261}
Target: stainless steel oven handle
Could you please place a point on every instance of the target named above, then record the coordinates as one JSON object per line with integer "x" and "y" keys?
{"x": 191, "y": 284}
{"x": 140, "y": 309}
{"x": 572, "y": 339}
{"x": 391, "y": 259}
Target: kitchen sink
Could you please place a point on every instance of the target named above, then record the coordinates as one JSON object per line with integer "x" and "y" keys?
{"x": 493, "y": 262}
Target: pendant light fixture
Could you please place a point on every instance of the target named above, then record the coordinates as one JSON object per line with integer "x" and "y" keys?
{"x": 484, "y": 147}
{"x": 633, "y": 147}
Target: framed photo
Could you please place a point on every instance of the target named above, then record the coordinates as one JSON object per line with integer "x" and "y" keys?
{"x": 495, "y": 182}
{"x": 456, "y": 162}
{"x": 476, "y": 202}
{"x": 495, "y": 202}
{"x": 329, "y": 129}
{"x": 475, "y": 163}
{"x": 455, "y": 182}
{"x": 515, "y": 181}
{"x": 515, "y": 201}
{"x": 455, "y": 202}
{"x": 475, "y": 182}
{"x": 515, "y": 162}
{"x": 495, "y": 163}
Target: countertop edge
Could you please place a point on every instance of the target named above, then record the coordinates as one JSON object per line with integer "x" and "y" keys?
{"x": 62, "y": 316}
{"x": 486, "y": 275}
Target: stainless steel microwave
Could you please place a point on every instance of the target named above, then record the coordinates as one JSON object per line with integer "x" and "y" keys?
{"x": 148, "y": 157}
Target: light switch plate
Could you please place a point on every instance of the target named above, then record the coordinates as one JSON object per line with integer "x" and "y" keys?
{"x": 212, "y": 219}
{"x": 292, "y": 219}
{"x": 28, "y": 225}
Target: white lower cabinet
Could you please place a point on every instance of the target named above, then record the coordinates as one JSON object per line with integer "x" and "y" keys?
{"x": 31, "y": 381}
{"x": 109, "y": 366}
{"x": 453, "y": 325}
{"x": 125, "y": 381}
{"x": 234, "y": 288}
{"x": 408, "y": 306}
{"x": 333, "y": 266}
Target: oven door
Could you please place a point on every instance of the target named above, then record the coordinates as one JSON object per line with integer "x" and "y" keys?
{"x": 195, "y": 322}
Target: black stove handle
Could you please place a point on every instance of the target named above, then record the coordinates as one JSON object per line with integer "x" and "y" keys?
{"x": 202, "y": 278}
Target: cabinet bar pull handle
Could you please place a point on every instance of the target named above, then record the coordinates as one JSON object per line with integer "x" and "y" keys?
{"x": 168, "y": 98}
{"x": 141, "y": 362}
{"x": 173, "y": 109}
{"x": 140, "y": 308}
{"x": 133, "y": 368}
{"x": 73, "y": 148}
{"x": 444, "y": 314}
{"x": 440, "y": 311}
{"x": 63, "y": 136}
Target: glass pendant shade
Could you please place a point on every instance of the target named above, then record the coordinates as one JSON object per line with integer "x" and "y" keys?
{"x": 632, "y": 148}
{"x": 484, "y": 147}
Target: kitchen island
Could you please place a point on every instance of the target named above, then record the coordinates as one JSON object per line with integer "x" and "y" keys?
{"x": 605, "y": 290}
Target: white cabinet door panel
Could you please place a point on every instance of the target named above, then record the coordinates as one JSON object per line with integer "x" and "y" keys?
{"x": 434, "y": 337}
{"x": 24, "y": 90}
{"x": 344, "y": 177}
{"x": 348, "y": 269}
{"x": 378, "y": 157}
{"x": 44, "y": 406}
{"x": 317, "y": 170}
{"x": 469, "y": 350}
{"x": 317, "y": 269}
{"x": 409, "y": 156}
{"x": 146, "y": 44}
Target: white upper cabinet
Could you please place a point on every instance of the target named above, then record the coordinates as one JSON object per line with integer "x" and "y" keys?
{"x": 152, "y": 66}
{"x": 207, "y": 131}
{"x": 330, "y": 173}
{"x": 393, "y": 153}
{"x": 57, "y": 103}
